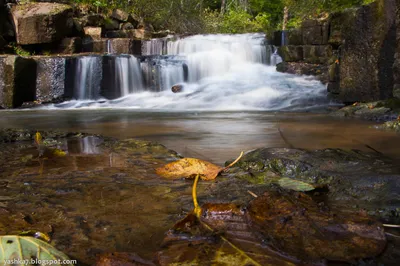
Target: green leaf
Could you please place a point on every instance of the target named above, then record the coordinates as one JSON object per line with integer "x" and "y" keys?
{"x": 295, "y": 185}
{"x": 27, "y": 248}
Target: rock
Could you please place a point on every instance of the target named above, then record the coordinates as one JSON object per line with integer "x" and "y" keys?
{"x": 396, "y": 65}
{"x": 339, "y": 22}
{"x": 17, "y": 81}
{"x": 6, "y": 26}
{"x": 367, "y": 53}
{"x": 161, "y": 34}
{"x": 296, "y": 224}
{"x": 133, "y": 34}
{"x": 301, "y": 68}
{"x": 127, "y": 26}
{"x": 317, "y": 54}
{"x": 120, "y": 15}
{"x": 294, "y": 37}
{"x": 92, "y": 20}
{"x": 349, "y": 178}
{"x": 50, "y": 77}
{"x": 111, "y": 24}
{"x": 70, "y": 45}
{"x": 133, "y": 20}
{"x": 119, "y": 259}
{"x": 94, "y": 46}
{"x": 315, "y": 32}
{"x": 2, "y": 43}
{"x": 291, "y": 53}
{"x": 145, "y": 26}
{"x": 177, "y": 88}
{"x": 41, "y": 22}
{"x": 93, "y": 32}
{"x": 126, "y": 46}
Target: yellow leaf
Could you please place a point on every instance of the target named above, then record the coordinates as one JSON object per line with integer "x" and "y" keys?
{"x": 58, "y": 152}
{"x": 190, "y": 167}
{"x": 38, "y": 139}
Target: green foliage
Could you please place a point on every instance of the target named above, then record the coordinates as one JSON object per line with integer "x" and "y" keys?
{"x": 19, "y": 50}
{"x": 235, "y": 21}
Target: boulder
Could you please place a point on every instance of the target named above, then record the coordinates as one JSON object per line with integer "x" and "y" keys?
{"x": 177, "y": 88}
{"x": 6, "y": 27}
{"x": 37, "y": 23}
{"x": 301, "y": 68}
{"x": 367, "y": 52}
{"x": 133, "y": 20}
{"x": 133, "y": 34}
{"x": 17, "y": 81}
{"x": 90, "y": 45}
{"x": 111, "y": 24}
{"x": 92, "y": 20}
{"x": 70, "y": 45}
{"x": 2, "y": 43}
{"x": 126, "y": 46}
{"x": 50, "y": 76}
{"x": 93, "y": 32}
{"x": 127, "y": 26}
{"x": 315, "y": 32}
{"x": 291, "y": 53}
{"x": 120, "y": 15}
{"x": 317, "y": 54}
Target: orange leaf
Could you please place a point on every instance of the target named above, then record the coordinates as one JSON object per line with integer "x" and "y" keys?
{"x": 190, "y": 167}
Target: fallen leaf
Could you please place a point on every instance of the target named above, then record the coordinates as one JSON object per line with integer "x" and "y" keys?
{"x": 220, "y": 236}
{"x": 38, "y": 139}
{"x": 295, "y": 185}
{"x": 190, "y": 167}
{"x": 27, "y": 248}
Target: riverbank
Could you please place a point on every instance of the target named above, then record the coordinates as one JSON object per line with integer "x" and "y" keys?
{"x": 103, "y": 196}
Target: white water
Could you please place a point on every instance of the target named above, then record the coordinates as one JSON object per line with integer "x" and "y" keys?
{"x": 225, "y": 72}
{"x": 128, "y": 77}
{"x": 87, "y": 78}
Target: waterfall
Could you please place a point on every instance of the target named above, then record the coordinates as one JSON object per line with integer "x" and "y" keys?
{"x": 215, "y": 55}
{"x": 275, "y": 57}
{"x": 122, "y": 76}
{"x": 87, "y": 78}
{"x": 215, "y": 72}
{"x": 162, "y": 72}
{"x": 109, "y": 47}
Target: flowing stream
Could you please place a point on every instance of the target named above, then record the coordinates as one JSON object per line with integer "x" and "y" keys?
{"x": 216, "y": 73}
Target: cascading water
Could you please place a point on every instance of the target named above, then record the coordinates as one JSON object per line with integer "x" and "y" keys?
{"x": 217, "y": 72}
{"x": 128, "y": 78}
{"x": 87, "y": 77}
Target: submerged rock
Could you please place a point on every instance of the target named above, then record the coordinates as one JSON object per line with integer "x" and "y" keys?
{"x": 367, "y": 181}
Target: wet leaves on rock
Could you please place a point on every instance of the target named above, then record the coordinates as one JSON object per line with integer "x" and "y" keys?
{"x": 297, "y": 225}
{"x": 220, "y": 236}
{"x": 26, "y": 248}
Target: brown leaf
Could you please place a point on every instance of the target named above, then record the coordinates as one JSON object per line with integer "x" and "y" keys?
{"x": 296, "y": 224}
{"x": 190, "y": 167}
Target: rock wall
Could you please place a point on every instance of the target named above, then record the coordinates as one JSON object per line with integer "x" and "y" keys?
{"x": 356, "y": 49}
{"x": 396, "y": 65}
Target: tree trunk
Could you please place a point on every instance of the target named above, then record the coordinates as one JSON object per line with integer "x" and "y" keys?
{"x": 223, "y": 7}
{"x": 285, "y": 17}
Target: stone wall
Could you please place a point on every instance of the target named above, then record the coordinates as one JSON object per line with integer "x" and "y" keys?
{"x": 356, "y": 47}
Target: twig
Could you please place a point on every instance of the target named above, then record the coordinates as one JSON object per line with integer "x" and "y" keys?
{"x": 233, "y": 163}
{"x": 391, "y": 225}
{"x": 252, "y": 193}
{"x": 393, "y": 235}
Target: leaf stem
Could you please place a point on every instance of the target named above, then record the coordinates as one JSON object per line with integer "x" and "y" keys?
{"x": 197, "y": 209}
{"x": 234, "y": 162}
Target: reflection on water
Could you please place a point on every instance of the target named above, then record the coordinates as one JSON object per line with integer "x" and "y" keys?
{"x": 216, "y": 136}
{"x": 86, "y": 145}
